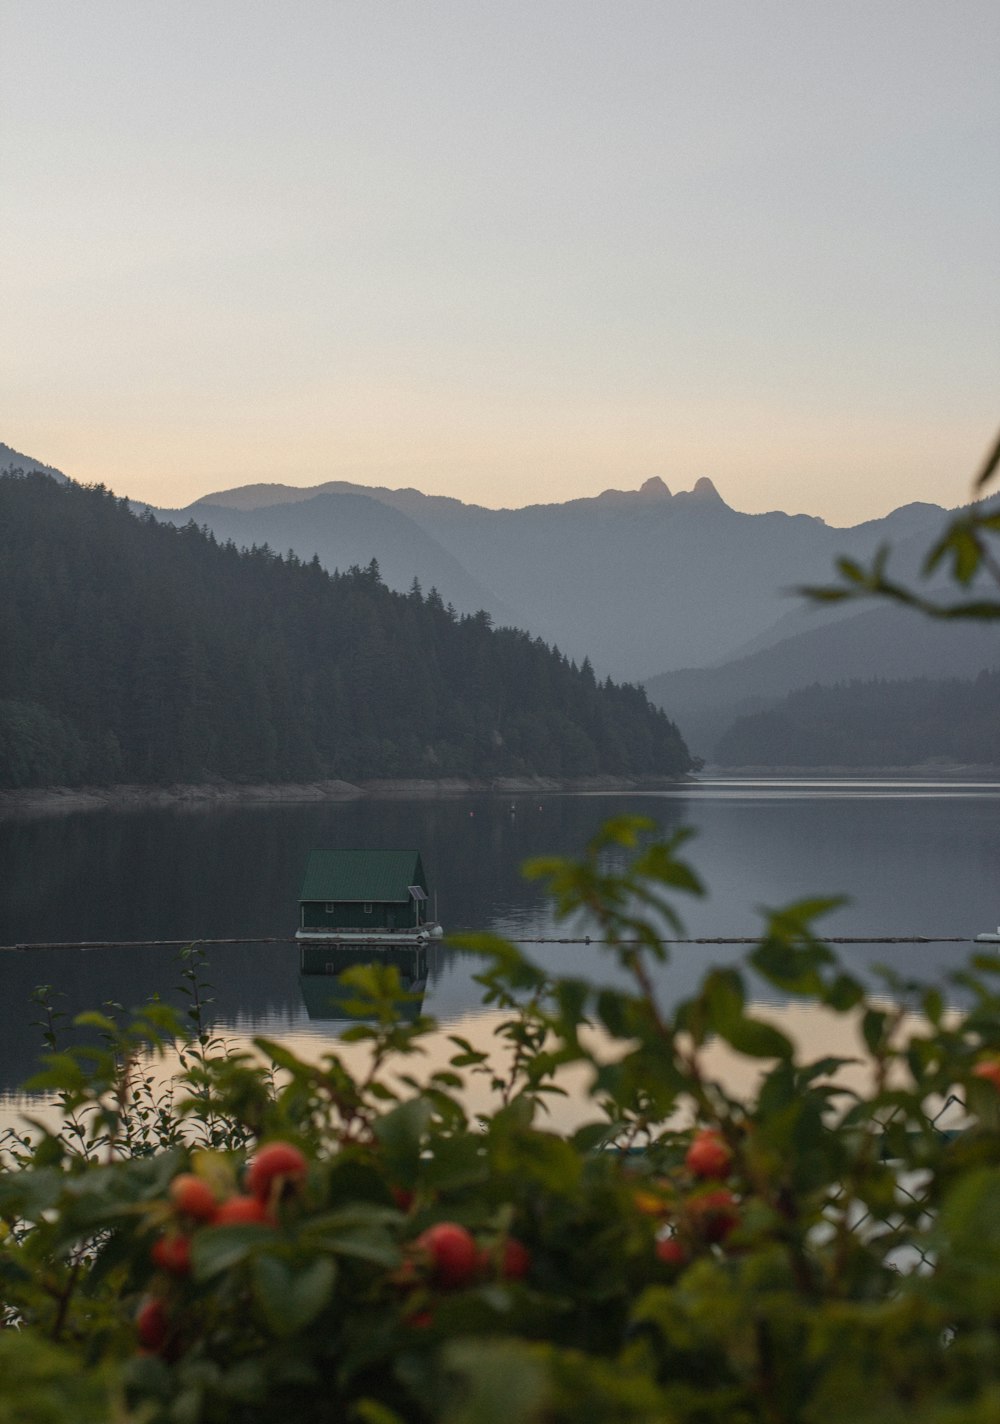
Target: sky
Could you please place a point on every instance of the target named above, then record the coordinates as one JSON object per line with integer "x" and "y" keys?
{"x": 515, "y": 252}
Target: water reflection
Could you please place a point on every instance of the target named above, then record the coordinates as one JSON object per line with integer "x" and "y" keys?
{"x": 329, "y": 1002}
{"x": 916, "y": 858}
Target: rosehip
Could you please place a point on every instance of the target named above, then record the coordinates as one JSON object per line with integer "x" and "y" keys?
{"x": 451, "y": 1252}
{"x": 511, "y": 1260}
{"x": 192, "y": 1196}
{"x": 275, "y": 1162}
{"x": 708, "y": 1155}
{"x": 989, "y": 1071}
{"x": 151, "y": 1324}
{"x": 515, "y": 1261}
{"x": 242, "y": 1211}
{"x": 670, "y": 1251}
{"x": 172, "y": 1254}
{"x": 714, "y": 1214}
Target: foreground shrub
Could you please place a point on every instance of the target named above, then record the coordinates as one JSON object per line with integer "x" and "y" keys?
{"x": 290, "y": 1240}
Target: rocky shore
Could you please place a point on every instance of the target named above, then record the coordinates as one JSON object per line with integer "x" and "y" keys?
{"x": 52, "y": 800}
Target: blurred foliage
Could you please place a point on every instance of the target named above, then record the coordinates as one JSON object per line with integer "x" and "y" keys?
{"x": 968, "y": 552}
{"x": 831, "y": 1254}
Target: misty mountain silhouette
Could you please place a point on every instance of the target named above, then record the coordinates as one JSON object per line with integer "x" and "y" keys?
{"x": 675, "y": 589}
{"x": 640, "y": 581}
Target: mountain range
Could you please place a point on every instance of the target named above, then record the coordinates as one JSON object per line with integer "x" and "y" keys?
{"x": 638, "y": 581}
{"x": 678, "y": 591}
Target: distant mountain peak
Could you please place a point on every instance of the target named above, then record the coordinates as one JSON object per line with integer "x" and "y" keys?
{"x": 705, "y": 489}
{"x": 654, "y": 488}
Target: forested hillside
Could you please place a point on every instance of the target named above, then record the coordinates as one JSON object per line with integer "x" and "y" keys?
{"x": 134, "y": 651}
{"x": 872, "y": 724}
{"x": 707, "y": 701}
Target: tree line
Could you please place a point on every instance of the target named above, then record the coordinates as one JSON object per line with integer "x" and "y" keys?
{"x": 135, "y": 651}
{"x": 872, "y": 723}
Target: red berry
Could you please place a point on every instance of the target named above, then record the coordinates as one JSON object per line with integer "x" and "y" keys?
{"x": 989, "y": 1071}
{"x": 709, "y": 1156}
{"x": 277, "y": 1162}
{"x": 403, "y": 1197}
{"x": 151, "y": 1324}
{"x": 515, "y": 1262}
{"x": 714, "y": 1214}
{"x": 172, "y": 1254}
{"x": 242, "y": 1211}
{"x": 192, "y": 1196}
{"x": 509, "y": 1259}
{"x": 670, "y": 1251}
{"x": 452, "y": 1253}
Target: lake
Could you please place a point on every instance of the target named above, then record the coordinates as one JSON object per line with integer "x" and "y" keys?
{"x": 916, "y": 857}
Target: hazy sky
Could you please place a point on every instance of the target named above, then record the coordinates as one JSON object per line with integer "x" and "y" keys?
{"x": 515, "y": 251}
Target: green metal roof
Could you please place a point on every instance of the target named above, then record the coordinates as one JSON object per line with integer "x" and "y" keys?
{"x": 351, "y": 875}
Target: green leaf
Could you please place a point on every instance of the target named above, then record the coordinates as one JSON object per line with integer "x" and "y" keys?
{"x": 292, "y": 1296}
{"x": 616, "y": 1012}
{"x": 401, "y": 1133}
{"x": 755, "y": 1039}
{"x": 989, "y": 466}
{"x": 222, "y": 1247}
{"x": 873, "y": 1028}
{"x": 500, "y": 1382}
{"x": 363, "y": 1231}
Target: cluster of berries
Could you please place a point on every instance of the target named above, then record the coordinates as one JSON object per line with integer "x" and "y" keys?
{"x": 277, "y": 1169}
{"x": 452, "y": 1258}
{"x": 703, "y": 1217}
{"x": 445, "y": 1257}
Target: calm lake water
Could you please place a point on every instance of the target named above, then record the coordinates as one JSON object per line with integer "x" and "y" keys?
{"x": 915, "y": 857}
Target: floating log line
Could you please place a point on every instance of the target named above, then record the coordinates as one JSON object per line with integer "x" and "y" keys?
{"x": 89, "y": 944}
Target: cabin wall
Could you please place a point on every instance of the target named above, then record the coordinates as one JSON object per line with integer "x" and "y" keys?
{"x": 352, "y": 916}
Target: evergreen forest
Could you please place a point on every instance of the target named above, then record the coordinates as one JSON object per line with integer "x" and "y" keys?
{"x": 872, "y": 723}
{"x": 132, "y": 651}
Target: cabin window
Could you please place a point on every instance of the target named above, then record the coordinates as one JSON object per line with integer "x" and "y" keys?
{"x": 368, "y": 907}
{"x": 329, "y": 907}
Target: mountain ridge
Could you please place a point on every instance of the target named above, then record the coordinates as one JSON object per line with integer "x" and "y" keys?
{"x": 677, "y": 591}
{"x": 636, "y": 580}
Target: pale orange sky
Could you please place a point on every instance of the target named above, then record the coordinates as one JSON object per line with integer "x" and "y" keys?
{"x": 511, "y": 253}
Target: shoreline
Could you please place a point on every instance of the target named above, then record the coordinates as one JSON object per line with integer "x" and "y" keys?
{"x": 64, "y": 800}
{"x": 57, "y": 800}
{"x": 924, "y": 771}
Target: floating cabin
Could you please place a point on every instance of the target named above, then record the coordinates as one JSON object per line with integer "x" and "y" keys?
{"x": 362, "y": 900}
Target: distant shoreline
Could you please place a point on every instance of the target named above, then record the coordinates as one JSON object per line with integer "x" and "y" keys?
{"x": 924, "y": 771}
{"x": 55, "y": 800}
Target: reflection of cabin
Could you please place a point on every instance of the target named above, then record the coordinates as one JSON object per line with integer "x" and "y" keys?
{"x": 326, "y": 999}
{"x": 363, "y": 895}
